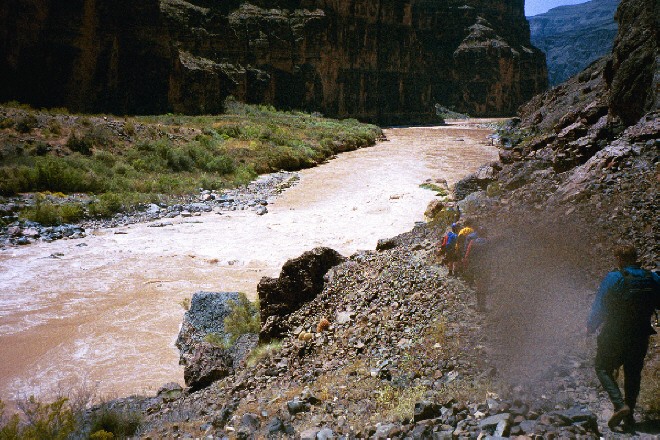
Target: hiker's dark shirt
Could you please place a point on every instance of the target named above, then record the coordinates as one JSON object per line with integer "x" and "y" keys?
{"x": 611, "y": 285}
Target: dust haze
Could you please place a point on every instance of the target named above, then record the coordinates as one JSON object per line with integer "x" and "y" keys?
{"x": 539, "y": 286}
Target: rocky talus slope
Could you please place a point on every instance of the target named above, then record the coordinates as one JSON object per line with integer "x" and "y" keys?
{"x": 574, "y": 36}
{"x": 404, "y": 356}
{"x": 380, "y": 61}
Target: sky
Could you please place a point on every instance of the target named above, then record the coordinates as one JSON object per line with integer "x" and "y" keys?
{"x": 535, "y": 7}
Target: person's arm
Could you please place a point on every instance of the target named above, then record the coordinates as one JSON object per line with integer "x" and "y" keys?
{"x": 597, "y": 314}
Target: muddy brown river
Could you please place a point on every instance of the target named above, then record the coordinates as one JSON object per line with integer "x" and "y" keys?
{"x": 106, "y": 311}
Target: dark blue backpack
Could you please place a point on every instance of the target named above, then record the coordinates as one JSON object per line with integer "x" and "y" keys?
{"x": 635, "y": 301}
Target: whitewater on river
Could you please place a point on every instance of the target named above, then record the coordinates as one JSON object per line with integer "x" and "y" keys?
{"x": 104, "y": 310}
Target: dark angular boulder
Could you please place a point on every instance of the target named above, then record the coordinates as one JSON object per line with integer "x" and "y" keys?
{"x": 426, "y": 410}
{"x": 203, "y": 362}
{"x": 207, "y": 364}
{"x": 477, "y": 181}
{"x": 300, "y": 280}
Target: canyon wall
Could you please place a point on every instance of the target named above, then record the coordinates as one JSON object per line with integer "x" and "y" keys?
{"x": 388, "y": 61}
{"x": 574, "y": 36}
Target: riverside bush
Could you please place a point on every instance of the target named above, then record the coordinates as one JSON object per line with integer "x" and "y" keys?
{"x": 48, "y": 213}
{"x": 120, "y": 423}
{"x": 53, "y": 421}
{"x": 27, "y": 123}
{"x": 80, "y": 144}
{"x": 243, "y": 318}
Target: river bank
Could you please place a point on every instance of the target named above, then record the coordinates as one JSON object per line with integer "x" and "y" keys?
{"x": 106, "y": 307}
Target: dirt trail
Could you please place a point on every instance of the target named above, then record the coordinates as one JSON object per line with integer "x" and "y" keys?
{"x": 106, "y": 308}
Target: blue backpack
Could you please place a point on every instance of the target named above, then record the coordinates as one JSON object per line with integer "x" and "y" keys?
{"x": 636, "y": 300}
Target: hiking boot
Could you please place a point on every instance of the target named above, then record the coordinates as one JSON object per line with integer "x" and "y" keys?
{"x": 629, "y": 423}
{"x": 618, "y": 416}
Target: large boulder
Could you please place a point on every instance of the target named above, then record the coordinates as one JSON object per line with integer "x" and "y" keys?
{"x": 477, "y": 181}
{"x": 300, "y": 280}
{"x": 206, "y": 315}
{"x": 203, "y": 362}
{"x": 207, "y": 364}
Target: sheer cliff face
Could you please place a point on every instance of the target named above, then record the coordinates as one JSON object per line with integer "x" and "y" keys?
{"x": 573, "y": 36}
{"x": 632, "y": 73}
{"x": 381, "y": 60}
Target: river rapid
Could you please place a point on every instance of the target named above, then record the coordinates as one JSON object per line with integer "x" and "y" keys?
{"x": 103, "y": 312}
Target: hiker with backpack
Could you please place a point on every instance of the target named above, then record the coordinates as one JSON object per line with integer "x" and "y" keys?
{"x": 462, "y": 241}
{"x": 474, "y": 264}
{"x": 623, "y": 307}
{"x": 448, "y": 248}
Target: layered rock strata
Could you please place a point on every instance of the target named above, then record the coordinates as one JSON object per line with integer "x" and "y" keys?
{"x": 381, "y": 60}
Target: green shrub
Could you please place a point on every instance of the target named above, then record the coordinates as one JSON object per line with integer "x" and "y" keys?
{"x": 41, "y": 148}
{"x": 445, "y": 218}
{"x": 102, "y": 435}
{"x": 218, "y": 340}
{"x": 63, "y": 174}
{"x": 220, "y": 164}
{"x": 105, "y": 157}
{"x": 493, "y": 189}
{"x": 71, "y": 212}
{"x": 129, "y": 128}
{"x": 27, "y": 123}
{"x": 6, "y": 123}
{"x": 9, "y": 426}
{"x": 244, "y": 174}
{"x": 106, "y": 205}
{"x": 43, "y": 212}
{"x": 15, "y": 179}
{"x": 55, "y": 127}
{"x": 243, "y": 318}
{"x": 82, "y": 145}
{"x": 440, "y": 191}
{"x": 48, "y": 213}
{"x": 119, "y": 422}
{"x": 54, "y": 421}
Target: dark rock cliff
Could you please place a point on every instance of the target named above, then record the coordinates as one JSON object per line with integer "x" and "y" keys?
{"x": 585, "y": 154}
{"x": 382, "y": 60}
{"x": 573, "y": 36}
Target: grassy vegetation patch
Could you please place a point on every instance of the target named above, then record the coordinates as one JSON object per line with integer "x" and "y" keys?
{"x": 262, "y": 351}
{"x": 440, "y": 191}
{"x": 124, "y": 161}
{"x": 398, "y": 403}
